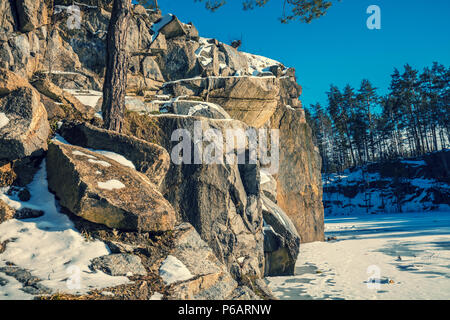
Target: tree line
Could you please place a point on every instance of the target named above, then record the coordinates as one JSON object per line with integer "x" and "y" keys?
{"x": 358, "y": 126}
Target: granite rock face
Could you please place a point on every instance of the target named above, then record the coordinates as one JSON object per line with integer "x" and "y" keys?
{"x": 222, "y": 201}
{"x": 252, "y": 100}
{"x": 299, "y": 183}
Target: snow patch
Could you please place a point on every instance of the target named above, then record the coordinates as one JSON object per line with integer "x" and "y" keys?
{"x": 173, "y": 270}
{"x": 111, "y": 185}
{"x": 116, "y": 157}
{"x": 3, "y": 120}
{"x": 50, "y": 247}
{"x": 100, "y": 162}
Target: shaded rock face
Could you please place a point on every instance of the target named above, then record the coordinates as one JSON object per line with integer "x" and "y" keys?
{"x": 148, "y": 158}
{"x": 32, "y": 14}
{"x": 179, "y": 60}
{"x": 210, "y": 278}
{"x": 103, "y": 191}
{"x": 281, "y": 240}
{"x": 221, "y": 201}
{"x": 24, "y": 128}
{"x": 252, "y": 100}
{"x": 299, "y": 184}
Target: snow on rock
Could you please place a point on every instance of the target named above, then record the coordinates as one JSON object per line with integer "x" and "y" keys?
{"x": 156, "y": 296}
{"x": 111, "y": 185}
{"x": 116, "y": 157}
{"x": 50, "y": 247}
{"x": 109, "y": 154}
{"x": 3, "y": 120}
{"x": 259, "y": 64}
{"x": 100, "y": 162}
{"x": 87, "y": 97}
{"x": 156, "y": 27}
{"x": 173, "y": 270}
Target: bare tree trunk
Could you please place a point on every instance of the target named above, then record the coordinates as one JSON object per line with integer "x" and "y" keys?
{"x": 115, "y": 84}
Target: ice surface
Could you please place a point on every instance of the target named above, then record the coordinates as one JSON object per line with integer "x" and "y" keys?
{"x": 407, "y": 255}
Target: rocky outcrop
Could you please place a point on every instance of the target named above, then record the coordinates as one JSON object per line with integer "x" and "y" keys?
{"x": 103, "y": 191}
{"x": 148, "y": 158}
{"x": 24, "y": 128}
{"x": 299, "y": 184}
{"x": 252, "y": 100}
{"x": 241, "y": 229}
{"x": 222, "y": 201}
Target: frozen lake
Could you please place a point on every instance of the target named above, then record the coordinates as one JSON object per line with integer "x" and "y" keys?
{"x": 395, "y": 256}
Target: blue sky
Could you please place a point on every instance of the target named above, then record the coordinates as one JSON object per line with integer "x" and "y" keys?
{"x": 337, "y": 48}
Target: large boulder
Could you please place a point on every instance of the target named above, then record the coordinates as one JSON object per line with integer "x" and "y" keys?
{"x": 24, "y": 128}
{"x": 221, "y": 200}
{"x": 103, "y": 191}
{"x": 252, "y": 100}
{"x": 281, "y": 240}
{"x": 299, "y": 183}
{"x": 148, "y": 158}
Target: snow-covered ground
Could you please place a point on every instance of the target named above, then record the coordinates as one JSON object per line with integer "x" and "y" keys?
{"x": 49, "y": 247}
{"x": 407, "y": 256}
